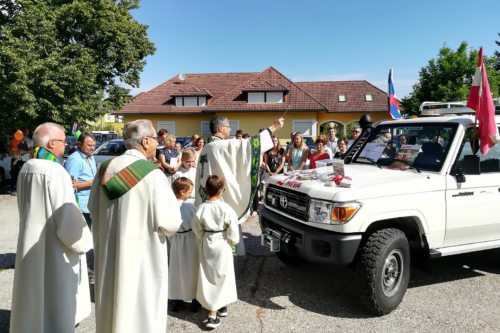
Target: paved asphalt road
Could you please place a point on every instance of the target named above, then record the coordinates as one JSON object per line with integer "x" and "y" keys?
{"x": 457, "y": 294}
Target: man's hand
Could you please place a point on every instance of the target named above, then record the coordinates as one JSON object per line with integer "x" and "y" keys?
{"x": 278, "y": 124}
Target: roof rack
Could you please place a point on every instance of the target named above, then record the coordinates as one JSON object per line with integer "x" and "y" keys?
{"x": 448, "y": 108}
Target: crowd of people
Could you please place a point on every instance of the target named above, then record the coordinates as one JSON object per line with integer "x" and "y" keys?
{"x": 108, "y": 227}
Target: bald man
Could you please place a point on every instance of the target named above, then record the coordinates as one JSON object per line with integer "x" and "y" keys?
{"x": 51, "y": 290}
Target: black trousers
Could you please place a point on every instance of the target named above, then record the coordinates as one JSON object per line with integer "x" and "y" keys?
{"x": 90, "y": 254}
{"x": 14, "y": 172}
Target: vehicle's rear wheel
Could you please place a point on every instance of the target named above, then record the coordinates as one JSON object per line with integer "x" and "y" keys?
{"x": 384, "y": 270}
{"x": 289, "y": 259}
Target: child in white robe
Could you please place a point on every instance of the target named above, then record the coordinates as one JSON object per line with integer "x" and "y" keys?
{"x": 184, "y": 260}
{"x": 187, "y": 169}
{"x": 216, "y": 225}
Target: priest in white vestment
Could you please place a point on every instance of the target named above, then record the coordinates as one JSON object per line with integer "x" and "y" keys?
{"x": 51, "y": 291}
{"x": 238, "y": 161}
{"x": 133, "y": 210}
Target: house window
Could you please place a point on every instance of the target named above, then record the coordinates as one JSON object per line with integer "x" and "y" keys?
{"x": 265, "y": 97}
{"x": 342, "y": 98}
{"x": 368, "y": 98}
{"x": 169, "y": 125}
{"x": 306, "y": 126}
{"x": 190, "y": 101}
{"x": 205, "y": 127}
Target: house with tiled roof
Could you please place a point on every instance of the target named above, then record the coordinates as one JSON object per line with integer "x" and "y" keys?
{"x": 186, "y": 103}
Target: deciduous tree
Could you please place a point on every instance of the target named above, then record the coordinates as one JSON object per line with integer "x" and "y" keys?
{"x": 66, "y": 60}
{"x": 448, "y": 77}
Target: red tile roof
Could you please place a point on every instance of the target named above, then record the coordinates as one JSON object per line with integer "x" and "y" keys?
{"x": 328, "y": 94}
{"x": 296, "y": 98}
{"x": 228, "y": 92}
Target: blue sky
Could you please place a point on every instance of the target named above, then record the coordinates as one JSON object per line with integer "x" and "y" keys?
{"x": 312, "y": 40}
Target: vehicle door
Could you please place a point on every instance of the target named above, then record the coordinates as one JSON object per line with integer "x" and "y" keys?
{"x": 472, "y": 206}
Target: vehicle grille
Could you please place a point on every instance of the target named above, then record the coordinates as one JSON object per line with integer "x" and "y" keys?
{"x": 290, "y": 202}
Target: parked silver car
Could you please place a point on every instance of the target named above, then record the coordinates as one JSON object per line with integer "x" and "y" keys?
{"x": 109, "y": 150}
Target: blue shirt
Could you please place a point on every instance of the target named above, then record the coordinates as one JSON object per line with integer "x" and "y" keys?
{"x": 82, "y": 169}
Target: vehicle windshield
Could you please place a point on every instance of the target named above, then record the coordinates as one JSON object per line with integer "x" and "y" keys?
{"x": 408, "y": 146}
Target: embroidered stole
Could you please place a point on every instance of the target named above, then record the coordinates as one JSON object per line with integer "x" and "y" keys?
{"x": 43, "y": 154}
{"x": 124, "y": 180}
{"x": 254, "y": 172}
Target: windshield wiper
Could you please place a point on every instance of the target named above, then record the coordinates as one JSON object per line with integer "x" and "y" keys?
{"x": 371, "y": 160}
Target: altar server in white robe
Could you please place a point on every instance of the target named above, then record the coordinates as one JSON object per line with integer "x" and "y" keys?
{"x": 133, "y": 210}
{"x": 51, "y": 291}
{"x": 239, "y": 161}
{"x": 187, "y": 169}
{"x": 184, "y": 258}
{"x": 216, "y": 225}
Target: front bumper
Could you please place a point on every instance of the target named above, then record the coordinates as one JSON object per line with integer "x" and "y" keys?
{"x": 312, "y": 244}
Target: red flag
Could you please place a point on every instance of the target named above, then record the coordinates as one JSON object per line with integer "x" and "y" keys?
{"x": 480, "y": 100}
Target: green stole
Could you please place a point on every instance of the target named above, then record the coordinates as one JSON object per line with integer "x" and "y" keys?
{"x": 43, "y": 154}
{"x": 124, "y": 180}
{"x": 254, "y": 171}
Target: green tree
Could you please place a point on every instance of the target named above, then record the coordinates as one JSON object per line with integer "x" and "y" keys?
{"x": 66, "y": 60}
{"x": 449, "y": 77}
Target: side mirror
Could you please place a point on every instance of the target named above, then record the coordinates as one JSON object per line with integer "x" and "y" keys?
{"x": 460, "y": 176}
{"x": 471, "y": 165}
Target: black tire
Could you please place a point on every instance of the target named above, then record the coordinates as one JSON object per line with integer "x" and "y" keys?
{"x": 289, "y": 259}
{"x": 383, "y": 270}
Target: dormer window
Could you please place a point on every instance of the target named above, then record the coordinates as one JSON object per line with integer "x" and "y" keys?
{"x": 368, "y": 98}
{"x": 190, "y": 100}
{"x": 263, "y": 97}
{"x": 342, "y": 98}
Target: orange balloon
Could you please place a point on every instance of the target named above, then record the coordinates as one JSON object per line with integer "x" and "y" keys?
{"x": 18, "y": 135}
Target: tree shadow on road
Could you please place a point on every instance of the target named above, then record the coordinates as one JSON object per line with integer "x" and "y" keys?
{"x": 7, "y": 260}
{"x": 330, "y": 290}
{"x": 4, "y": 320}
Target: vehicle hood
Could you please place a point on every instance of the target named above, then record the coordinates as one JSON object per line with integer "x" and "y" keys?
{"x": 367, "y": 182}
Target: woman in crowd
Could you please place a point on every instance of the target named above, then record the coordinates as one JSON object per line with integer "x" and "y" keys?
{"x": 298, "y": 153}
{"x": 274, "y": 159}
{"x": 320, "y": 153}
{"x": 341, "y": 148}
{"x": 162, "y": 134}
{"x": 326, "y": 149}
{"x": 198, "y": 147}
{"x": 169, "y": 157}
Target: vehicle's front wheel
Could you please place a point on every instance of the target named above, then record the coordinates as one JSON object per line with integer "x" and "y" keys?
{"x": 384, "y": 270}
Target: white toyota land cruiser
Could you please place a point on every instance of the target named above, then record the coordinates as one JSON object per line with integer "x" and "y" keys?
{"x": 417, "y": 190}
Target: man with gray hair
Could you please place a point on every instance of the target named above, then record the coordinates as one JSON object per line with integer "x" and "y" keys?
{"x": 133, "y": 210}
{"x": 51, "y": 290}
{"x": 237, "y": 160}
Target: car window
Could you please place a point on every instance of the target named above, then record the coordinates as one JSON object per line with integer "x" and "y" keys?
{"x": 111, "y": 148}
{"x": 401, "y": 146}
{"x": 488, "y": 163}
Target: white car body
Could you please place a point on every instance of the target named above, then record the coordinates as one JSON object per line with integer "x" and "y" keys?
{"x": 454, "y": 217}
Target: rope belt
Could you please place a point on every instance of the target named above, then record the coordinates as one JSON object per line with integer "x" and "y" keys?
{"x": 214, "y": 231}
{"x": 184, "y": 231}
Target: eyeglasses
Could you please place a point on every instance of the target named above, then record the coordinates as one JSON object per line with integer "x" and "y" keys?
{"x": 152, "y": 137}
{"x": 226, "y": 126}
{"x": 60, "y": 140}
{"x": 356, "y": 131}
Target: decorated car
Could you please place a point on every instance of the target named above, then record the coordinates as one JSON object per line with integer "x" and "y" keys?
{"x": 408, "y": 190}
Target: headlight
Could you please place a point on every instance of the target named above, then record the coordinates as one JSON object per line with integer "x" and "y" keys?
{"x": 343, "y": 212}
{"x": 331, "y": 213}
{"x": 319, "y": 211}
